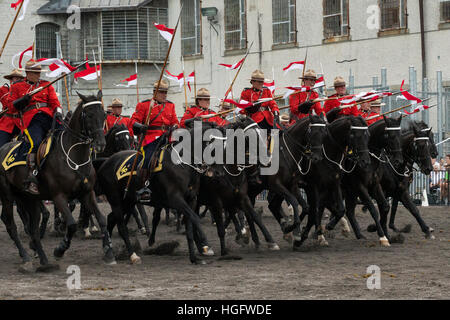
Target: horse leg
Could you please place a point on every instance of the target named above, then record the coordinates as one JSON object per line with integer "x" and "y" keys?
{"x": 24, "y": 216}
{"x": 61, "y": 203}
{"x": 275, "y": 207}
{"x": 338, "y": 201}
{"x": 365, "y": 198}
{"x": 409, "y": 204}
{"x": 216, "y": 210}
{"x": 144, "y": 218}
{"x": 8, "y": 219}
{"x": 90, "y": 202}
{"x": 350, "y": 205}
{"x": 45, "y": 217}
{"x": 290, "y": 199}
{"x": 250, "y": 212}
{"x": 118, "y": 212}
{"x": 155, "y": 222}
{"x": 393, "y": 212}
{"x": 83, "y": 221}
{"x": 383, "y": 207}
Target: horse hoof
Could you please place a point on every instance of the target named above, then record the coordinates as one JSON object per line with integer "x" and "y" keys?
{"x": 273, "y": 247}
{"x": 135, "y": 259}
{"x": 430, "y": 229}
{"x": 430, "y": 237}
{"x": 346, "y": 233}
{"x": 199, "y": 262}
{"x": 371, "y": 228}
{"x": 142, "y": 230}
{"x": 47, "y": 268}
{"x": 58, "y": 253}
{"x": 27, "y": 267}
{"x": 384, "y": 242}
{"x": 288, "y": 237}
{"x": 109, "y": 257}
{"x": 322, "y": 241}
{"x": 207, "y": 251}
{"x": 95, "y": 229}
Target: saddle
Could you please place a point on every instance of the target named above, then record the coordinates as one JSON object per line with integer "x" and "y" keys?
{"x": 17, "y": 155}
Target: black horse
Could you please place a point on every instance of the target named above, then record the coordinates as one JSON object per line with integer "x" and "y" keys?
{"x": 345, "y": 147}
{"x": 300, "y": 148}
{"x": 67, "y": 173}
{"x": 417, "y": 144}
{"x": 385, "y": 147}
{"x": 175, "y": 186}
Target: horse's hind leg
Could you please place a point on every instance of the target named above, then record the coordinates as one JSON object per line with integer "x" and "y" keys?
{"x": 411, "y": 207}
{"x": 393, "y": 212}
{"x": 144, "y": 217}
{"x": 155, "y": 223}
{"x": 45, "y": 216}
{"x": 118, "y": 212}
{"x": 8, "y": 219}
{"x": 90, "y": 202}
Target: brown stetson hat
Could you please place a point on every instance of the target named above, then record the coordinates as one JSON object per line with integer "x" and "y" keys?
{"x": 339, "y": 81}
{"x": 14, "y": 73}
{"x": 257, "y": 75}
{"x": 164, "y": 85}
{"x": 203, "y": 93}
{"x": 309, "y": 75}
{"x": 377, "y": 103}
{"x": 116, "y": 103}
{"x": 29, "y": 67}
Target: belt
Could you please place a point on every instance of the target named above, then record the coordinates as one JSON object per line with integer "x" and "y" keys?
{"x": 35, "y": 106}
{"x": 12, "y": 115}
{"x": 158, "y": 128}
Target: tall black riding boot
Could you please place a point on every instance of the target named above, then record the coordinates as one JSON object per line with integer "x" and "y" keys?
{"x": 143, "y": 194}
{"x": 31, "y": 181}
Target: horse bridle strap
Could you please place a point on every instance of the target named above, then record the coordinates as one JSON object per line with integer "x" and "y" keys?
{"x": 91, "y": 103}
{"x": 393, "y": 128}
{"x": 358, "y": 128}
{"x": 421, "y": 138}
{"x": 123, "y": 131}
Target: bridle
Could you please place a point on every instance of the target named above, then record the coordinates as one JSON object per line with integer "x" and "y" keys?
{"x": 84, "y": 137}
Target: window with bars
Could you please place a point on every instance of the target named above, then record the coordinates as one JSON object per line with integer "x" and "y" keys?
{"x": 191, "y": 40}
{"x": 46, "y": 40}
{"x": 335, "y": 18}
{"x": 123, "y": 35}
{"x": 284, "y": 21}
{"x": 393, "y": 14}
{"x": 235, "y": 25}
{"x": 445, "y": 10}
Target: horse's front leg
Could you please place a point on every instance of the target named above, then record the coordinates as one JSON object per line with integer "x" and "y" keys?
{"x": 61, "y": 203}
{"x": 91, "y": 204}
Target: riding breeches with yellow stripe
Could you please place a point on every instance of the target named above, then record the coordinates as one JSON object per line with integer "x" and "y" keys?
{"x": 37, "y": 130}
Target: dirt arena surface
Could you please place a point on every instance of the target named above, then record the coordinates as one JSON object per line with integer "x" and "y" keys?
{"x": 416, "y": 269}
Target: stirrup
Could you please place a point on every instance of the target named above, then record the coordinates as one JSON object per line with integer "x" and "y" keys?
{"x": 144, "y": 195}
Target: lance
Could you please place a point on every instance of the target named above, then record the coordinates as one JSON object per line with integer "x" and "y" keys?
{"x": 10, "y": 29}
{"x": 137, "y": 82}
{"x": 184, "y": 84}
{"x": 142, "y": 135}
{"x": 237, "y": 73}
{"x": 405, "y": 115}
{"x": 443, "y": 141}
{"x": 395, "y": 110}
{"x": 324, "y": 83}
{"x": 65, "y": 79}
{"x": 195, "y": 82}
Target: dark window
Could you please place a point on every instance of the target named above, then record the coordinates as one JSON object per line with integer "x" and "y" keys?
{"x": 235, "y": 25}
{"x": 393, "y": 14}
{"x": 46, "y": 40}
{"x": 445, "y": 10}
{"x": 335, "y": 18}
{"x": 191, "y": 42}
{"x": 283, "y": 21}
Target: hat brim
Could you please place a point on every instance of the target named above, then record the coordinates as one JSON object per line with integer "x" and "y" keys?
{"x": 340, "y": 84}
{"x": 10, "y": 76}
{"x": 308, "y": 78}
{"x": 116, "y": 106}
{"x": 31, "y": 70}
{"x": 256, "y": 79}
{"x": 203, "y": 97}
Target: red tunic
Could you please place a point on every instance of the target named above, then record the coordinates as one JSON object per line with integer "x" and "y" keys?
{"x": 331, "y": 104}
{"x": 296, "y": 99}
{"x": 112, "y": 120}
{"x": 168, "y": 117}
{"x": 267, "y": 108}
{"x": 6, "y": 123}
{"x": 47, "y": 97}
{"x": 367, "y": 115}
{"x": 196, "y": 111}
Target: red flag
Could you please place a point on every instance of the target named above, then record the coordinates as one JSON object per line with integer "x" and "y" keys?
{"x": 408, "y": 96}
{"x": 90, "y": 73}
{"x": 232, "y": 66}
{"x": 294, "y": 65}
{"x": 165, "y": 32}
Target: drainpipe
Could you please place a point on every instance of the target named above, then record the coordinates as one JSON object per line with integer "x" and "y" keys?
{"x": 422, "y": 39}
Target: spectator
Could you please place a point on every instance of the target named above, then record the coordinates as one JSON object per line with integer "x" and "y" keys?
{"x": 436, "y": 165}
{"x": 445, "y": 181}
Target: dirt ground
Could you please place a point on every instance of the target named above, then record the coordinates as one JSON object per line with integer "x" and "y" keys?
{"x": 416, "y": 269}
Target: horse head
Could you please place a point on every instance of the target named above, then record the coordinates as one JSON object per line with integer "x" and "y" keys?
{"x": 118, "y": 138}
{"x": 432, "y": 145}
{"x": 316, "y": 131}
{"x": 358, "y": 142}
{"x": 391, "y": 138}
{"x": 88, "y": 119}
{"x": 421, "y": 148}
